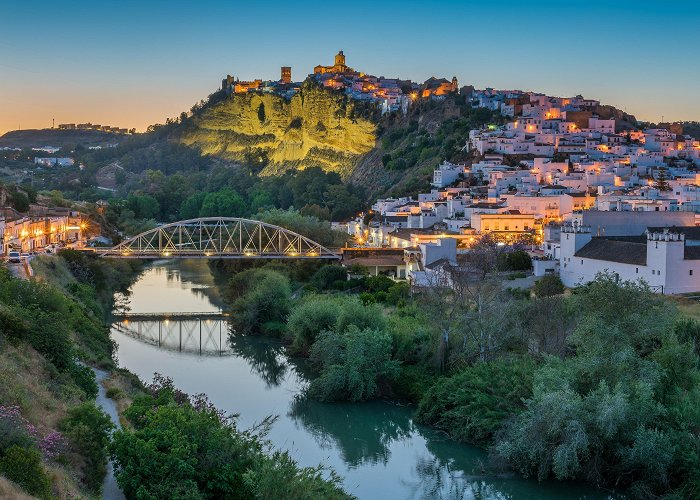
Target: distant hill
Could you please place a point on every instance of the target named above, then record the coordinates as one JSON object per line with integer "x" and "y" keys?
{"x": 35, "y": 138}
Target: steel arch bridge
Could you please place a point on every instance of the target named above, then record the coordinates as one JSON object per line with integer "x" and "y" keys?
{"x": 219, "y": 238}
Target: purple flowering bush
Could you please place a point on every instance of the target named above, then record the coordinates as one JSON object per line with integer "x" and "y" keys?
{"x": 21, "y": 450}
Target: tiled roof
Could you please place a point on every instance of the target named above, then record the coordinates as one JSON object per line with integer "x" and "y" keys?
{"x": 614, "y": 250}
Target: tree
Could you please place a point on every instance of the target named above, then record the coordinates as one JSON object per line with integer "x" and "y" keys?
{"x": 265, "y": 303}
{"x": 662, "y": 180}
{"x": 605, "y": 414}
{"x": 88, "y": 429}
{"x": 352, "y": 363}
{"x": 473, "y": 404}
{"x": 224, "y": 203}
{"x": 144, "y": 206}
{"x": 182, "y": 447}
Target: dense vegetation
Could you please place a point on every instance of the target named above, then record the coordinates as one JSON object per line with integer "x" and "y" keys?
{"x": 49, "y": 425}
{"x": 181, "y": 447}
{"x": 602, "y": 386}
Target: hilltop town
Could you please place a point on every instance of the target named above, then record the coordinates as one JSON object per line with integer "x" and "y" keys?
{"x": 582, "y": 192}
{"x": 390, "y": 94}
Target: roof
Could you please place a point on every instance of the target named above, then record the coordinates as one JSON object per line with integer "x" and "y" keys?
{"x": 385, "y": 260}
{"x": 615, "y": 250}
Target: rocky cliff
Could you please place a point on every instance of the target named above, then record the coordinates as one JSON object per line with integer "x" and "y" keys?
{"x": 316, "y": 127}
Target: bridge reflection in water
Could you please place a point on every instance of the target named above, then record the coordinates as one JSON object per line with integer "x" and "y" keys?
{"x": 200, "y": 333}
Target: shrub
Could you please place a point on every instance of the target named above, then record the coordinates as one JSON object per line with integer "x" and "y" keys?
{"x": 88, "y": 429}
{"x": 114, "y": 393}
{"x": 472, "y": 404}
{"x": 548, "y": 286}
{"x": 183, "y": 447}
{"x": 310, "y": 318}
{"x": 23, "y": 466}
{"x": 326, "y": 276}
{"x": 351, "y": 364}
{"x": 265, "y": 297}
{"x": 14, "y": 430}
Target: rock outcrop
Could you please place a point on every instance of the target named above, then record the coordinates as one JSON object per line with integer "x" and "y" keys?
{"x": 316, "y": 127}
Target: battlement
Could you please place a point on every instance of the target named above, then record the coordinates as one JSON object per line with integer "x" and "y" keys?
{"x": 664, "y": 235}
{"x": 575, "y": 228}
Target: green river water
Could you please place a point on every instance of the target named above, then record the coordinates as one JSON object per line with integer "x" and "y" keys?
{"x": 377, "y": 447}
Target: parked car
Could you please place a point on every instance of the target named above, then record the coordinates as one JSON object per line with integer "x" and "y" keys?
{"x": 14, "y": 257}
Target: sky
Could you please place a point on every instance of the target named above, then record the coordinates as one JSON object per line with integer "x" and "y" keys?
{"x": 134, "y": 63}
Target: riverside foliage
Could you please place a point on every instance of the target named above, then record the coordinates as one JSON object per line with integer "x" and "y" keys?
{"x": 181, "y": 447}
{"x": 602, "y": 386}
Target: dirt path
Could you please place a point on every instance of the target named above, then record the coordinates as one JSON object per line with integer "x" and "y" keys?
{"x": 110, "y": 489}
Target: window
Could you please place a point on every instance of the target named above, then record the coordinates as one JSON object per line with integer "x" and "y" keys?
{"x": 581, "y": 261}
{"x": 690, "y": 272}
{"x": 653, "y": 271}
{"x": 636, "y": 270}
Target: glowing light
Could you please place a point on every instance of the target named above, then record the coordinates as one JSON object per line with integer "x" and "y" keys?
{"x": 166, "y": 254}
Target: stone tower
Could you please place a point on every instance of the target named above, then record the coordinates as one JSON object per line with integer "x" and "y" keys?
{"x": 286, "y": 74}
{"x": 340, "y": 59}
{"x": 455, "y": 84}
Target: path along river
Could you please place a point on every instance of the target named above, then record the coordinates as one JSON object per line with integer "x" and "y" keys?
{"x": 376, "y": 447}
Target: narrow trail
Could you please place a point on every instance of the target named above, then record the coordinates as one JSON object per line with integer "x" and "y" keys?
{"x": 110, "y": 488}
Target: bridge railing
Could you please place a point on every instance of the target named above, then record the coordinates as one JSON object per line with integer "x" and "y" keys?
{"x": 219, "y": 237}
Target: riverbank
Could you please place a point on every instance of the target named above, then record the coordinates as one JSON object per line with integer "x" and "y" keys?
{"x": 376, "y": 447}
{"x": 507, "y": 370}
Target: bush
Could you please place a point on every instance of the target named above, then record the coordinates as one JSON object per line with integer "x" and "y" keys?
{"x": 264, "y": 297}
{"x": 23, "y": 466}
{"x": 88, "y": 429}
{"x": 548, "y": 285}
{"x": 183, "y": 447}
{"x": 473, "y": 404}
{"x": 352, "y": 363}
{"x": 114, "y": 393}
{"x": 310, "y": 318}
{"x": 327, "y": 276}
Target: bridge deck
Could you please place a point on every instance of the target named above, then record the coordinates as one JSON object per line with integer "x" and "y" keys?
{"x": 174, "y": 316}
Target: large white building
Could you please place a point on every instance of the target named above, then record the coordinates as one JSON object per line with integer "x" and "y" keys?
{"x": 667, "y": 259}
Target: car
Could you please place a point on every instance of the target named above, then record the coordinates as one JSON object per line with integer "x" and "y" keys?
{"x": 14, "y": 257}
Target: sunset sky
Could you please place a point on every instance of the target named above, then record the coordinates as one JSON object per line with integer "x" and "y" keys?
{"x": 133, "y": 63}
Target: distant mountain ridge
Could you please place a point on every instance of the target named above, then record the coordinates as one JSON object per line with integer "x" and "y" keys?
{"x": 36, "y": 138}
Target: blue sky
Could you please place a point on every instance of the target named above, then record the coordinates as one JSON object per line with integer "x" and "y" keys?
{"x": 134, "y": 63}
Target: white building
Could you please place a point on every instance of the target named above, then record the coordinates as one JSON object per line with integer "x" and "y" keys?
{"x": 668, "y": 260}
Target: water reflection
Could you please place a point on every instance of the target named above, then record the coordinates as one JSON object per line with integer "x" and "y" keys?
{"x": 198, "y": 334}
{"x": 265, "y": 357}
{"x": 362, "y": 432}
{"x": 376, "y": 447}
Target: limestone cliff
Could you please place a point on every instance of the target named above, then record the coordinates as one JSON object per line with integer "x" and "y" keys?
{"x": 316, "y": 127}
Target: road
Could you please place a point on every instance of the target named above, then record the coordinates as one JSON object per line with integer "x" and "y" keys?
{"x": 18, "y": 270}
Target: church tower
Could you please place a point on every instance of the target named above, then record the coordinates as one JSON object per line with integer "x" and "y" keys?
{"x": 455, "y": 85}
{"x": 340, "y": 59}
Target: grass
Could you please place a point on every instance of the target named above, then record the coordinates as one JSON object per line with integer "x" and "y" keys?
{"x": 53, "y": 270}
{"x": 122, "y": 386}
{"x": 44, "y": 398}
{"x": 8, "y": 489}
{"x": 688, "y": 307}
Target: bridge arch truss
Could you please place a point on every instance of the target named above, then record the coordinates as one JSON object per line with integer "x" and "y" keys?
{"x": 219, "y": 237}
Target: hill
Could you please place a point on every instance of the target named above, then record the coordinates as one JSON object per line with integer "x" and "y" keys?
{"x": 36, "y": 138}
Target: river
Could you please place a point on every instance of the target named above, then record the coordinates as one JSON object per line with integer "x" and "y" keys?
{"x": 377, "y": 447}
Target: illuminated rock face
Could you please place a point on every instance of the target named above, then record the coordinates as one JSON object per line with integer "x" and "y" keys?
{"x": 315, "y": 128}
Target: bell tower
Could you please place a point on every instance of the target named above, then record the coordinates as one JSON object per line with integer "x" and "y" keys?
{"x": 340, "y": 59}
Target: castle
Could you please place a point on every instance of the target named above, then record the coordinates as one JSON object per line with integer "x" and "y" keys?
{"x": 339, "y": 67}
